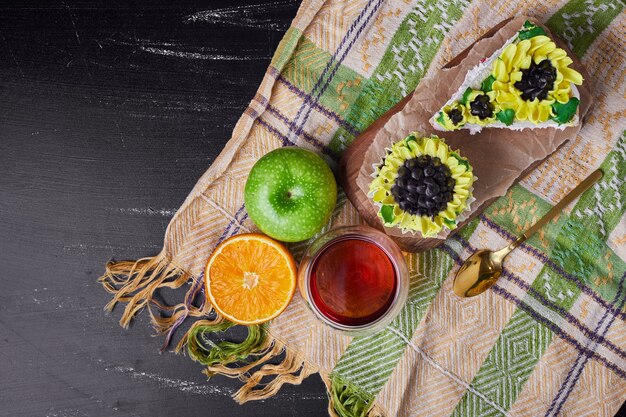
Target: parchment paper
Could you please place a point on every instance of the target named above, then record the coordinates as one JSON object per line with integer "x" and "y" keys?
{"x": 499, "y": 157}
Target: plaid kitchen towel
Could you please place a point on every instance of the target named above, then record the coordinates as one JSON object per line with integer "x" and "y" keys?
{"x": 549, "y": 339}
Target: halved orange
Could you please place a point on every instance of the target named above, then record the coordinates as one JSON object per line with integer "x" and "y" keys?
{"x": 250, "y": 278}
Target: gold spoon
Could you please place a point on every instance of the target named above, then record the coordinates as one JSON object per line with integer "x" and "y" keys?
{"x": 483, "y": 268}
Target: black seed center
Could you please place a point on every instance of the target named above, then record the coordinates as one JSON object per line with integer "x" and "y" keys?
{"x": 537, "y": 80}
{"x": 455, "y": 116}
{"x": 424, "y": 186}
{"x": 481, "y": 107}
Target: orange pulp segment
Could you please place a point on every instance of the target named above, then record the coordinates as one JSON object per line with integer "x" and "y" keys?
{"x": 250, "y": 278}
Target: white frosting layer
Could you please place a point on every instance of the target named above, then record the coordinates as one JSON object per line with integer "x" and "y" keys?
{"x": 474, "y": 77}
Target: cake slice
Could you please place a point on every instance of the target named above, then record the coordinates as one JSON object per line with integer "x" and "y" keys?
{"x": 527, "y": 83}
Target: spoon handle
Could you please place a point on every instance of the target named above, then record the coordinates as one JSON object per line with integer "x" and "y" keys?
{"x": 571, "y": 196}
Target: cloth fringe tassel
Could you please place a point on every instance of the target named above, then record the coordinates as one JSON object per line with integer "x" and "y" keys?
{"x": 292, "y": 370}
{"x": 134, "y": 283}
{"x": 243, "y": 360}
{"x": 346, "y": 400}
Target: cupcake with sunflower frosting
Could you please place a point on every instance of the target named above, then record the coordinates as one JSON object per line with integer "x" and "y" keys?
{"x": 527, "y": 83}
{"x": 422, "y": 186}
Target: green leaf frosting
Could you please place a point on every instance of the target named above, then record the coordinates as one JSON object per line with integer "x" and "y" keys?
{"x": 450, "y": 223}
{"x": 440, "y": 119}
{"x": 387, "y": 213}
{"x": 487, "y": 84}
{"x": 563, "y": 113}
{"x": 466, "y": 95}
{"x": 506, "y": 116}
{"x": 530, "y": 31}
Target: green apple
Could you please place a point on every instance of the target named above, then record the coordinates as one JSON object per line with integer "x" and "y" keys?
{"x": 290, "y": 194}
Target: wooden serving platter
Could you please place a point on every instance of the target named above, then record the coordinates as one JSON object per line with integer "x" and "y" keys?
{"x": 499, "y": 157}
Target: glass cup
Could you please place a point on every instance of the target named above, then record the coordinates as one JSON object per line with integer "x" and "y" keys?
{"x": 354, "y": 279}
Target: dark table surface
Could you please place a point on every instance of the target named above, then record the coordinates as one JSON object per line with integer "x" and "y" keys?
{"x": 109, "y": 112}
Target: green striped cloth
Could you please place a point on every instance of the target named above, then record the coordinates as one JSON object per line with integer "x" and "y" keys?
{"x": 550, "y": 338}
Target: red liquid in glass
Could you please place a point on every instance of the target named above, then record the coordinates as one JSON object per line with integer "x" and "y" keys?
{"x": 353, "y": 282}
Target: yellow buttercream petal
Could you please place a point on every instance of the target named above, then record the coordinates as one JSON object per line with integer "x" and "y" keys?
{"x": 375, "y": 184}
{"x": 429, "y": 148}
{"x": 452, "y": 162}
{"x": 414, "y": 147}
{"x": 380, "y": 194}
{"x": 442, "y": 152}
{"x": 406, "y": 220}
{"x": 522, "y": 111}
{"x": 388, "y": 200}
{"x": 457, "y": 171}
{"x": 405, "y": 153}
{"x": 448, "y": 214}
{"x": 572, "y": 76}
{"x": 506, "y": 97}
{"x": 460, "y": 190}
{"x": 543, "y": 51}
{"x": 564, "y": 62}
{"x": 544, "y": 113}
{"x": 499, "y": 71}
{"x": 387, "y": 174}
{"x": 562, "y": 96}
{"x": 537, "y": 42}
{"x": 507, "y": 55}
{"x": 516, "y": 76}
{"x": 532, "y": 110}
{"x": 557, "y": 54}
{"x": 521, "y": 55}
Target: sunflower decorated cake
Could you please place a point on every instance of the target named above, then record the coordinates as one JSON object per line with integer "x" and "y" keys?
{"x": 527, "y": 83}
{"x": 422, "y": 186}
